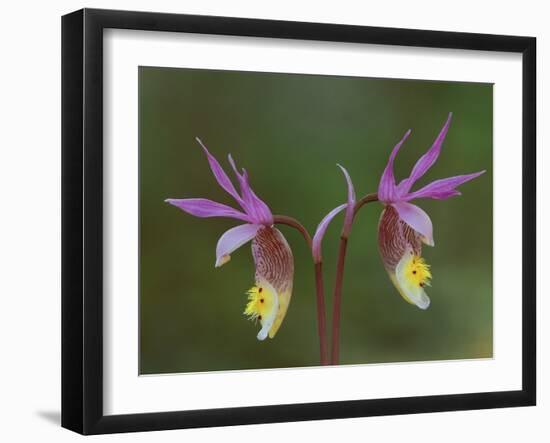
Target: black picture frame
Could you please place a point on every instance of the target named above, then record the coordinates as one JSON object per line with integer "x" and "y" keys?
{"x": 82, "y": 220}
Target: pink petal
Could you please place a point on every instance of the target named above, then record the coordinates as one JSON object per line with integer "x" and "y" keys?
{"x": 351, "y": 203}
{"x": 426, "y": 161}
{"x": 202, "y": 207}
{"x": 244, "y": 186}
{"x": 387, "y": 188}
{"x": 417, "y": 219}
{"x": 444, "y": 188}
{"x": 220, "y": 175}
{"x": 233, "y": 239}
{"x": 255, "y": 207}
{"x": 320, "y": 233}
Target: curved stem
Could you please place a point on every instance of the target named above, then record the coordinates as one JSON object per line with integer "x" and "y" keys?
{"x": 363, "y": 201}
{"x": 337, "y": 300}
{"x": 319, "y": 287}
{"x": 289, "y": 221}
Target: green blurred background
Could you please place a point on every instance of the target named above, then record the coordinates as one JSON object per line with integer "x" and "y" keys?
{"x": 289, "y": 131}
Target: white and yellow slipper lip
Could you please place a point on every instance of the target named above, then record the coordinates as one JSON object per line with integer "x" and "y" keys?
{"x": 410, "y": 290}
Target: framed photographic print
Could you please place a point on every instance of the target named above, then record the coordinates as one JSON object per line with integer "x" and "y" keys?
{"x": 270, "y": 221}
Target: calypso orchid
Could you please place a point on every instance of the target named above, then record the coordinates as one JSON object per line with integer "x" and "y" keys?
{"x": 403, "y": 226}
{"x": 269, "y": 298}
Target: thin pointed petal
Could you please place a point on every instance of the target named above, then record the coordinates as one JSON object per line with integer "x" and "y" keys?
{"x": 260, "y": 208}
{"x": 426, "y": 161}
{"x": 220, "y": 175}
{"x": 348, "y": 220}
{"x": 444, "y": 188}
{"x": 417, "y": 219}
{"x": 320, "y": 232}
{"x": 387, "y": 190}
{"x": 244, "y": 187}
{"x": 204, "y": 208}
{"x": 255, "y": 207}
{"x": 233, "y": 239}
{"x": 233, "y": 165}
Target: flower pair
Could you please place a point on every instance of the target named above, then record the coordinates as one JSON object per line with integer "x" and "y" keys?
{"x": 403, "y": 228}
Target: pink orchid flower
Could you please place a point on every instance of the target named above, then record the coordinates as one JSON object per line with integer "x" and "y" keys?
{"x": 403, "y": 226}
{"x": 269, "y": 298}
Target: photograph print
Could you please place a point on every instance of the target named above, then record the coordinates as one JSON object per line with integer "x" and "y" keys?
{"x": 292, "y": 220}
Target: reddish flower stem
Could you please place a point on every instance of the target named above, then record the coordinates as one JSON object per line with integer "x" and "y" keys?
{"x": 337, "y": 300}
{"x": 363, "y": 201}
{"x": 289, "y": 221}
{"x": 321, "y": 313}
{"x": 320, "y": 292}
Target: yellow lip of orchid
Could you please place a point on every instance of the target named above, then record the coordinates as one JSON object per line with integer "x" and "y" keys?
{"x": 411, "y": 276}
{"x": 263, "y": 306}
